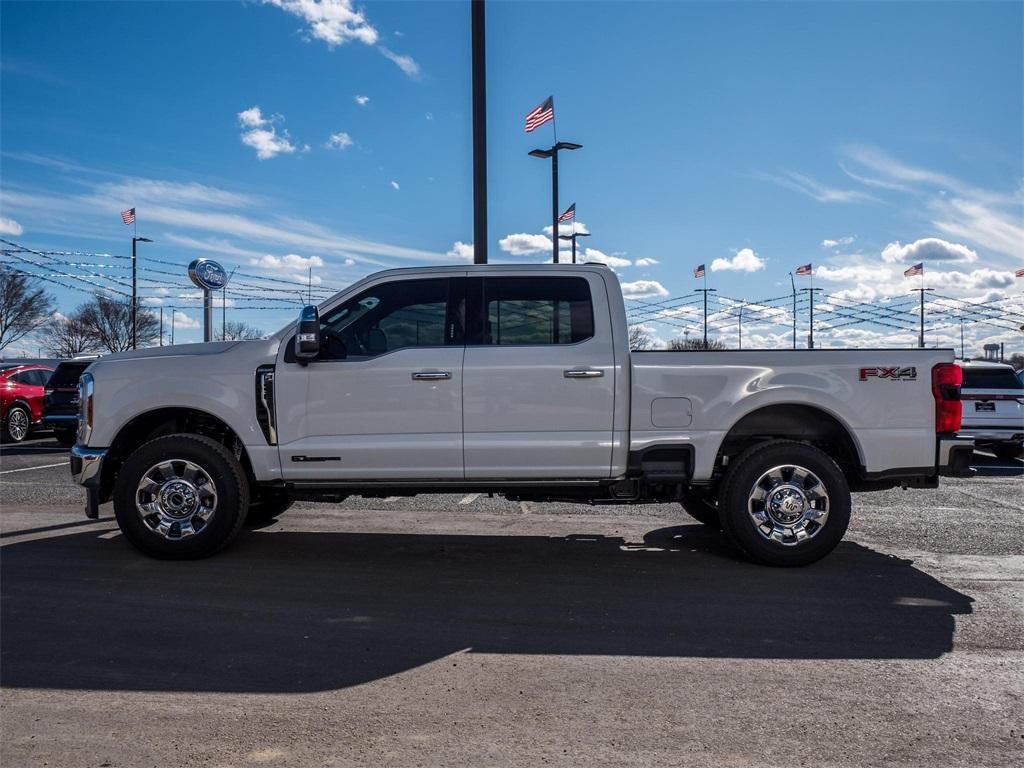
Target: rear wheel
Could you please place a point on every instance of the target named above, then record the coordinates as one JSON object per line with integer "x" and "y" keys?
{"x": 18, "y": 424}
{"x": 702, "y": 508}
{"x": 181, "y": 497}
{"x": 784, "y": 503}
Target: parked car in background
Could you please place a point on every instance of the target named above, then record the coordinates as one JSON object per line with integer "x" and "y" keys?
{"x": 993, "y": 408}
{"x": 60, "y": 405}
{"x": 21, "y": 400}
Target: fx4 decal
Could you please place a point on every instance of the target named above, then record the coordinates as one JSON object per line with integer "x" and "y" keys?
{"x": 894, "y": 374}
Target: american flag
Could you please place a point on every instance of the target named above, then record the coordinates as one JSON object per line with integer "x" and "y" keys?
{"x": 804, "y": 270}
{"x": 569, "y": 215}
{"x": 917, "y": 269}
{"x": 698, "y": 271}
{"x": 1019, "y": 273}
{"x": 540, "y": 115}
{"x": 128, "y": 217}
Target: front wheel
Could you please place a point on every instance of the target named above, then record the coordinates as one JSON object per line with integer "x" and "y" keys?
{"x": 181, "y": 497}
{"x": 784, "y": 503}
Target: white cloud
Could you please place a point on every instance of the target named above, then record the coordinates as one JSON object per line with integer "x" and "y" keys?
{"x": 261, "y": 134}
{"x": 745, "y": 260}
{"x": 404, "y": 63}
{"x": 805, "y": 185}
{"x": 336, "y": 22}
{"x": 362, "y": 101}
{"x": 429, "y": 115}
{"x": 140, "y": 192}
{"x": 856, "y": 273}
{"x": 928, "y": 249}
{"x": 461, "y": 251}
{"x": 642, "y": 289}
{"x": 290, "y": 262}
{"x": 839, "y": 241}
{"x": 646, "y": 262}
{"x": 10, "y": 226}
{"x": 339, "y": 140}
{"x": 997, "y": 230}
{"x": 599, "y": 257}
{"x": 395, "y": 185}
{"x": 567, "y": 229}
{"x": 524, "y": 244}
{"x": 184, "y": 322}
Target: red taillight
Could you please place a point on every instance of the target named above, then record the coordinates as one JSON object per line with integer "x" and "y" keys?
{"x": 946, "y": 381}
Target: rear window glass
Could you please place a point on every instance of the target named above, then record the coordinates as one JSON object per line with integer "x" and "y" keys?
{"x": 66, "y": 375}
{"x": 991, "y": 378}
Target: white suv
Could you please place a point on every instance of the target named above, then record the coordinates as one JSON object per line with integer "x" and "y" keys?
{"x": 993, "y": 408}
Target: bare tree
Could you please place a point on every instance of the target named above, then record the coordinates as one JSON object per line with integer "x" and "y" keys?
{"x": 238, "y": 331}
{"x": 639, "y": 339}
{"x": 66, "y": 336}
{"x": 1016, "y": 360}
{"x": 109, "y": 324}
{"x": 695, "y": 344}
{"x": 24, "y": 305}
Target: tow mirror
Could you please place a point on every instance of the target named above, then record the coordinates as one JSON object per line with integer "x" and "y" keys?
{"x": 307, "y": 340}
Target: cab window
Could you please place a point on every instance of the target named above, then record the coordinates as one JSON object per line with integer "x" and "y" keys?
{"x": 546, "y": 310}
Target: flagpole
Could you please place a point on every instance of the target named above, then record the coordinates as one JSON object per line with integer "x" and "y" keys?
{"x": 554, "y": 120}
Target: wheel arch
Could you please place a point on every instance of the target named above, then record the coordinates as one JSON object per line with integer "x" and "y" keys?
{"x": 145, "y": 426}
{"x": 801, "y": 422}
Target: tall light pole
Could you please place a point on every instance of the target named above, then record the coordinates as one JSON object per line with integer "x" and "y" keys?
{"x": 553, "y": 154}
{"x": 573, "y": 237}
{"x": 479, "y": 58}
{"x": 793, "y": 283}
{"x": 135, "y": 284}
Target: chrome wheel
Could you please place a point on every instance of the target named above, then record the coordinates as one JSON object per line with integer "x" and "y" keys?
{"x": 176, "y": 499}
{"x": 788, "y": 505}
{"x": 17, "y": 424}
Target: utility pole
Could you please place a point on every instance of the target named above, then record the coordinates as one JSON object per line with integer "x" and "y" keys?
{"x": 161, "y": 326}
{"x": 705, "y": 291}
{"x": 573, "y": 237}
{"x": 479, "y": 66}
{"x": 135, "y": 284}
{"x": 224, "y": 311}
{"x": 920, "y": 338}
{"x": 961, "y": 337}
{"x": 741, "y": 327}
{"x": 811, "y": 292}
{"x": 793, "y": 283}
{"x": 172, "y": 326}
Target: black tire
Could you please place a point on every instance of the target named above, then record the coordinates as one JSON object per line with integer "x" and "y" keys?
{"x": 704, "y": 509}
{"x": 266, "y": 506}
{"x": 1008, "y": 450}
{"x": 229, "y": 483}
{"x": 18, "y": 424}
{"x": 65, "y": 437}
{"x": 738, "y": 487}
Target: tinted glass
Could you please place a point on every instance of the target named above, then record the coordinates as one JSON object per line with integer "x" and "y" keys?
{"x": 40, "y": 376}
{"x": 547, "y": 310}
{"x": 22, "y": 377}
{"x": 390, "y": 316}
{"x": 66, "y": 375}
{"x": 991, "y": 378}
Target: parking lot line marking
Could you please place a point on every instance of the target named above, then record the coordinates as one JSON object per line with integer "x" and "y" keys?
{"x": 109, "y": 535}
{"x": 26, "y": 469}
{"x": 469, "y": 499}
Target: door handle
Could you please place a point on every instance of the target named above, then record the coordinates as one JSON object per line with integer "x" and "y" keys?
{"x": 431, "y": 375}
{"x": 583, "y": 373}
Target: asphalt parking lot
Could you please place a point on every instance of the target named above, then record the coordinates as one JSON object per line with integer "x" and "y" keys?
{"x": 470, "y": 631}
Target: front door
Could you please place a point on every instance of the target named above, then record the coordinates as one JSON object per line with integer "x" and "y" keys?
{"x": 539, "y": 378}
{"x": 384, "y": 398}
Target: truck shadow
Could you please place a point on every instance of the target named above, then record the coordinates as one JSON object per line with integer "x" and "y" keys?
{"x": 298, "y": 612}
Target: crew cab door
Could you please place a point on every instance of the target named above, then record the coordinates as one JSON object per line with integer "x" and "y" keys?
{"x": 538, "y": 377}
{"x": 383, "y": 400}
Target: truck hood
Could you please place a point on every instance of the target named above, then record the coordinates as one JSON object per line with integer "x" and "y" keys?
{"x": 177, "y": 350}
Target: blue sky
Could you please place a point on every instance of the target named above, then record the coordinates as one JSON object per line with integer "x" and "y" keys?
{"x": 752, "y": 137}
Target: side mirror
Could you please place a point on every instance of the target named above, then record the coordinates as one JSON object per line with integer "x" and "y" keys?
{"x": 307, "y": 340}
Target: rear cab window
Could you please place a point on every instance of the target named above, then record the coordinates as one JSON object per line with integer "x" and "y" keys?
{"x": 530, "y": 311}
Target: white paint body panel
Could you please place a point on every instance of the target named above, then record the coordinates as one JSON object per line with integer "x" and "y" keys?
{"x": 508, "y": 412}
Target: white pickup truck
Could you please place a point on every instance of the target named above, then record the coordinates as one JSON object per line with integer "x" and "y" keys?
{"x": 515, "y": 380}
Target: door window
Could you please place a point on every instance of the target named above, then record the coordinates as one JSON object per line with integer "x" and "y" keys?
{"x": 546, "y": 310}
{"x": 388, "y": 317}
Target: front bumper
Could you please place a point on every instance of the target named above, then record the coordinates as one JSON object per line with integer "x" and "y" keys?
{"x": 955, "y": 457}
{"x": 86, "y": 464}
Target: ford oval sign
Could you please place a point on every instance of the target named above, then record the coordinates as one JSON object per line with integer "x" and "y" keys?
{"x": 207, "y": 274}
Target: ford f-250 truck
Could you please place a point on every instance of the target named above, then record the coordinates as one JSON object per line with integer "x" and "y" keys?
{"x": 515, "y": 380}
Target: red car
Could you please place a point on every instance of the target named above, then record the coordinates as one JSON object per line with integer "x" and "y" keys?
{"x": 21, "y": 399}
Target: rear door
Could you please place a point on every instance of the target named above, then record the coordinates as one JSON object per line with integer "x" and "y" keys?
{"x": 538, "y": 377}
